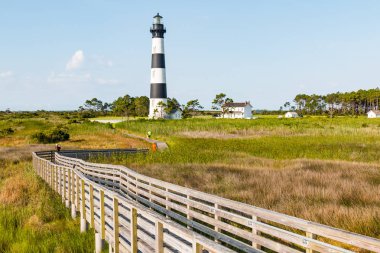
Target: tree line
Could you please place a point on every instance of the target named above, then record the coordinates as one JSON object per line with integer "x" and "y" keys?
{"x": 338, "y": 103}
{"x": 129, "y": 106}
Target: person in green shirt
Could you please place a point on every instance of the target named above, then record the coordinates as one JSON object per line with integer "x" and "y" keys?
{"x": 149, "y": 134}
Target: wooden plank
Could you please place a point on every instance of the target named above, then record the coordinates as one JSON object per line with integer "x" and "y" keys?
{"x": 177, "y": 244}
{"x": 102, "y": 215}
{"x": 91, "y": 206}
{"x": 298, "y": 239}
{"x": 159, "y": 247}
{"x": 133, "y": 229}
{"x": 64, "y": 184}
{"x": 83, "y": 200}
{"x": 116, "y": 225}
{"x": 73, "y": 186}
{"x": 69, "y": 192}
{"x": 197, "y": 247}
{"x": 77, "y": 191}
{"x": 312, "y": 236}
{"x": 256, "y": 232}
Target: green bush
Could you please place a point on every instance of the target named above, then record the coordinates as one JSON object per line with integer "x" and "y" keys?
{"x": 56, "y": 135}
{"x": 6, "y": 131}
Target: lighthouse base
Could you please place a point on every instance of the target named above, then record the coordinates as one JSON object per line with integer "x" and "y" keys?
{"x": 157, "y": 108}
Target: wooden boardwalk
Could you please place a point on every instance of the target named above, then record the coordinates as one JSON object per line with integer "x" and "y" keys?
{"x": 136, "y": 213}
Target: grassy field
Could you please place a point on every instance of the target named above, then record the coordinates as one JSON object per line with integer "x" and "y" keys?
{"x": 317, "y": 168}
{"x": 320, "y": 169}
{"x": 32, "y": 217}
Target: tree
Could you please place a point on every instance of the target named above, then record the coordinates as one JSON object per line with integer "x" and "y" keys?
{"x": 142, "y": 106}
{"x": 354, "y": 103}
{"x": 191, "y": 107}
{"x": 286, "y": 105}
{"x": 94, "y": 105}
{"x": 172, "y": 105}
{"x": 219, "y": 100}
{"x": 124, "y": 106}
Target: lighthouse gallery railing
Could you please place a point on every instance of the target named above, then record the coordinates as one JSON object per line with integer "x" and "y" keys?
{"x": 136, "y": 205}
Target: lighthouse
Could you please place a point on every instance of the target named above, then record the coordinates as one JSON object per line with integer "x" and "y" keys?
{"x": 158, "y": 93}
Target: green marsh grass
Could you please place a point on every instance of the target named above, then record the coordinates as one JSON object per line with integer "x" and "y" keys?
{"x": 317, "y": 168}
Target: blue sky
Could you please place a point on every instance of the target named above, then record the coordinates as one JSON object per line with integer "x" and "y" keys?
{"x": 56, "y": 54}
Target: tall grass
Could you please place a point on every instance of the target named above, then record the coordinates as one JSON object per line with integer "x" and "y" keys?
{"x": 317, "y": 168}
{"x": 32, "y": 217}
{"x": 256, "y": 128}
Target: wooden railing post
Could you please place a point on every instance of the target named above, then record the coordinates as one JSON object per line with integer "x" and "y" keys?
{"x": 83, "y": 221}
{"x": 188, "y": 212}
{"x": 159, "y": 247}
{"x": 68, "y": 188}
{"x": 73, "y": 187}
{"x": 43, "y": 171}
{"x": 133, "y": 229}
{"x": 102, "y": 215}
{"x": 92, "y": 220}
{"x": 64, "y": 185}
{"x": 255, "y": 233}
{"x": 217, "y": 229}
{"x": 197, "y": 247}
{"x": 166, "y": 206}
{"x": 50, "y": 176}
{"x": 77, "y": 191}
{"x": 311, "y": 236}
{"x": 56, "y": 177}
{"x": 116, "y": 226}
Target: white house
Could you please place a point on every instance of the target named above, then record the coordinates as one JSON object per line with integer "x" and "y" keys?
{"x": 237, "y": 110}
{"x": 291, "y": 115}
{"x": 373, "y": 114}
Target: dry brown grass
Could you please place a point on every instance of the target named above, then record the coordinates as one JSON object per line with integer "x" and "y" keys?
{"x": 14, "y": 191}
{"x": 340, "y": 194}
{"x": 278, "y": 131}
{"x": 22, "y": 153}
{"x": 103, "y": 140}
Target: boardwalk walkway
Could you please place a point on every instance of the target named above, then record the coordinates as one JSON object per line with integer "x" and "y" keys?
{"x": 136, "y": 213}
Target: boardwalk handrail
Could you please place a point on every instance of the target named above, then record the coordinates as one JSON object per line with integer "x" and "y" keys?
{"x": 234, "y": 224}
{"x": 87, "y": 153}
{"x": 125, "y": 224}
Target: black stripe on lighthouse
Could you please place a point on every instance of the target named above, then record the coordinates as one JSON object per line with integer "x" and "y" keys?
{"x": 158, "y": 61}
{"x": 158, "y": 90}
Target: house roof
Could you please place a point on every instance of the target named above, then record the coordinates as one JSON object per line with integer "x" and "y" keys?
{"x": 238, "y": 104}
{"x": 377, "y": 112}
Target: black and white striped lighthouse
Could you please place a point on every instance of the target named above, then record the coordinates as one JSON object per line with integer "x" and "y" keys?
{"x": 158, "y": 94}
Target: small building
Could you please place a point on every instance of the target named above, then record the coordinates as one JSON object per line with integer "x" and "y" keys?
{"x": 291, "y": 115}
{"x": 373, "y": 114}
{"x": 175, "y": 114}
{"x": 237, "y": 110}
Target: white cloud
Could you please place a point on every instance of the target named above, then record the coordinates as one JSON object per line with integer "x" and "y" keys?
{"x": 6, "y": 74}
{"x": 76, "y": 60}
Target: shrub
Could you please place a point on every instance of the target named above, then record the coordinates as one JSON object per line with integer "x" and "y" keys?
{"x": 56, "y": 135}
{"x": 6, "y": 131}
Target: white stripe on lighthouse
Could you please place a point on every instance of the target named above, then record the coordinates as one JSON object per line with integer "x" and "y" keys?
{"x": 157, "y": 75}
{"x": 157, "y": 46}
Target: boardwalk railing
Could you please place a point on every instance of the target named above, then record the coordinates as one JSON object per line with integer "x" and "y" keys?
{"x": 234, "y": 225}
{"x": 126, "y": 225}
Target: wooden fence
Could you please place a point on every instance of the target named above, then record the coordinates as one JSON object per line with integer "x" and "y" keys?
{"x": 206, "y": 221}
